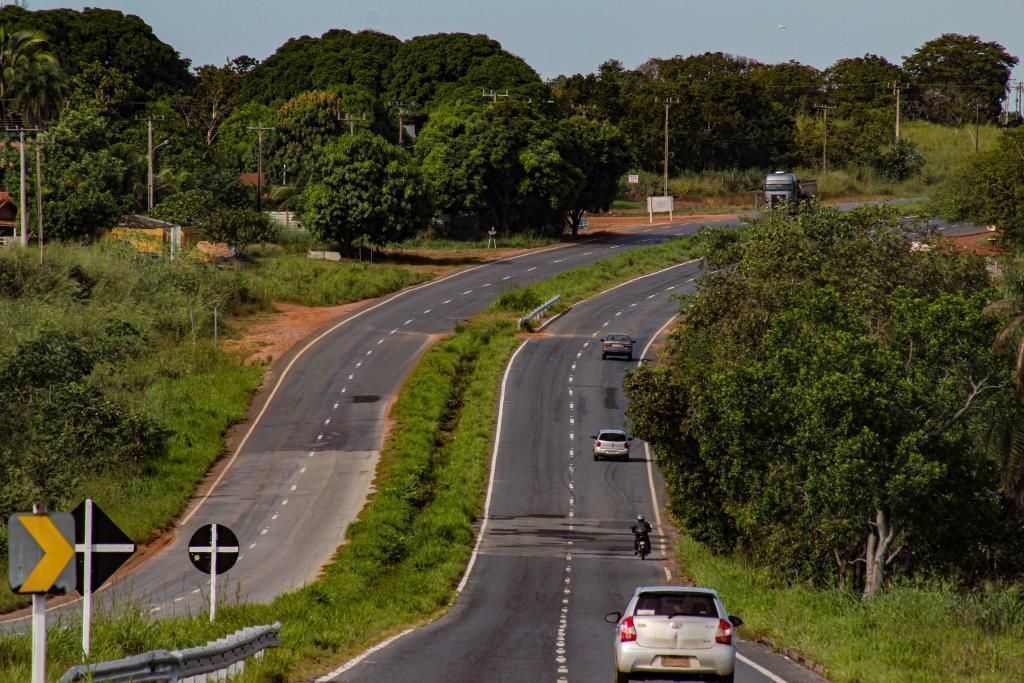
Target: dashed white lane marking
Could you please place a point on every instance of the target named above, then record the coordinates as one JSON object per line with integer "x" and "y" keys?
{"x": 468, "y": 291}
{"x": 618, "y": 314}
{"x": 679, "y": 234}
{"x": 587, "y": 253}
{"x": 393, "y": 331}
{"x": 179, "y": 598}
{"x": 487, "y": 285}
{"x": 652, "y": 296}
{"x": 605, "y": 325}
{"x": 507, "y": 277}
{"x": 586, "y": 344}
{"x": 446, "y": 301}
{"x": 264, "y": 531}
{"x": 650, "y": 239}
{"x": 344, "y": 389}
{"x": 327, "y": 421}
{"x": 594, "y": 335}
{"x": 251, "y": 546}
{"x": 302, "y": 470}
{"x": 692, "y": 279}
{"x": 379, "y": 342}
{"x": 359, "y": 364}
{"x": 156, "y": 609}
{"x": 194, "y": 591}
{"x": 427, "y": 311}
{"x": 615, "y": 247}
{"x": 530, "y": 270}
{"x": 274, "y": 516}
{"x": 669, "y": 289}
{"x": 561, "y": 260}
{"x": 295, "y": 486}
{"x": 335, "y": 406}
{"x": 407, "y": 321}
{"x": 632, "y": 305}
{"x": 350, "y": 377}
{"x": 319, "y": 437}
{"x": 284, "y": 502}
{"x": 369, "y": 352}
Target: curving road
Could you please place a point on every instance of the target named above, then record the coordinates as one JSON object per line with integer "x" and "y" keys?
{"x": 556, "y": 552}
{"x": 307, "y": 462}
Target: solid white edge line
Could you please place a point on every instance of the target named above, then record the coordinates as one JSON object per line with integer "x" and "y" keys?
{"x": 647, "y": 448}
{"x": 760, "y": 669}
{"x": 494, "y": 463}
{"x": 657, "y": 515}
{"x": 245, "y": 439}
{"x": 657, "y": 272}
{"x": 355, "y": 661}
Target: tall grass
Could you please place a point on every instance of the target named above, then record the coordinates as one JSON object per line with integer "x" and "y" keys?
{"x": 923, "y": 632}
{"x": 296, "y": 279}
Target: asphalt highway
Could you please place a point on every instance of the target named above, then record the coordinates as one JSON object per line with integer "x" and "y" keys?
{"x": 556, "y": 552}
{"x": 307, "y": 462}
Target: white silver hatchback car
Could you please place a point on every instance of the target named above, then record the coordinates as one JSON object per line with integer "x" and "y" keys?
{"x": 675, "y": 631}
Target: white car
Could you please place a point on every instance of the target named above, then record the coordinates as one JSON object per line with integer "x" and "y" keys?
{"x": 675, "y": 630}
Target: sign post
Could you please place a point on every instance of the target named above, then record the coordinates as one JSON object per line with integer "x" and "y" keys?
{"x": 213, "y": 550}
{"x": 100, "y": 549}
{"x": 40, "y": 548}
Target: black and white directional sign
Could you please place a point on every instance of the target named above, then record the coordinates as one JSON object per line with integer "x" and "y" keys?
{"x": 99, "y": 542}
{"x": 213, "y": 540}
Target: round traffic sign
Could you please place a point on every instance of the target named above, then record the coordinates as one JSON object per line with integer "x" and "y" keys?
{"x": 213, "y": 540}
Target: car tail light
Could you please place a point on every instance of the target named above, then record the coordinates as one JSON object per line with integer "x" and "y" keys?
{"x": 597, "y": 444}
{"x": 724, "y": 633}
{"x": 627, "y": 632}
{"x": 627, "y": 346}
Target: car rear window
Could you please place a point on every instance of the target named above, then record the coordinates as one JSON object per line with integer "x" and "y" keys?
{"x": 617, "y": 338}
{"x": 675, "y": 604}
{"x": 611, "y": 436}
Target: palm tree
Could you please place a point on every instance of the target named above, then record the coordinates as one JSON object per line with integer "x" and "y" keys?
{"x": 31, "y": 80}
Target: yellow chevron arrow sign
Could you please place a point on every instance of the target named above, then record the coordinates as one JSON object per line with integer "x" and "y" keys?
{"x": 41, "y": 549}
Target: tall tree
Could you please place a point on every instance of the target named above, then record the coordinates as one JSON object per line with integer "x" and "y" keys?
{"x": 862, "y": 83}
{"x": 599, "y": 151}
{"x": 956, "y": 77}
{"x": 363, "y": 187}
{"x": 822, "y": 408}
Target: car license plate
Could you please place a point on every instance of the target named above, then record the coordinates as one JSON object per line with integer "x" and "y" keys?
{"x": 682, "y": 662}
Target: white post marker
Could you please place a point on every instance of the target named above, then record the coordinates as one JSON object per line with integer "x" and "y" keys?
{"x": 213, "y": 572}
{"x": 87, "y": 580}
{"x": 39, "y": 638}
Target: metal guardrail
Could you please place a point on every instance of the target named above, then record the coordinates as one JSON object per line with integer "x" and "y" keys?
{"x": 215, "y": 661}
{"x": 540, "y": 309}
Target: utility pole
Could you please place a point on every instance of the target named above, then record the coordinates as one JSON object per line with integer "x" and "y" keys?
{"x": 977, "y": 126}
{"x": 824, "y": 137}
{"x": 351, "y": 121}
{"x": 668, "y": 102}
{"x": 897, "y": 88}
{"x": 260, "y": 129}
{"x": 403, "y": 109}
{"x": 40, "y": 140}
{"x": 149, "y": 159}
{"x": 493, "y": 94}
{"x": 23, "y": 194}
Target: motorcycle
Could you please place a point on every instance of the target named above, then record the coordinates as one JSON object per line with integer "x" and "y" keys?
{"x": 641, "y": 544}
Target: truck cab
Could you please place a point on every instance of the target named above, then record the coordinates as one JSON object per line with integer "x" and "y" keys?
{"x": 785, "y": 189}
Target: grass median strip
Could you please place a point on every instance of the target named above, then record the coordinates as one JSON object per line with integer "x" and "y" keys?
{"x": 406, "y": 553}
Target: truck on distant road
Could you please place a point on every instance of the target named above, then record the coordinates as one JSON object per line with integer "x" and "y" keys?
{"x": 781, "y": 188}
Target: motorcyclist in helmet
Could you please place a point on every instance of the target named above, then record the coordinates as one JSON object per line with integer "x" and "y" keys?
{"x": 641, "y": 533}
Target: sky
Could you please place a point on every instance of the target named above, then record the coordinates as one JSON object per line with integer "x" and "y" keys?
{"x": 576, "y": 36}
